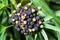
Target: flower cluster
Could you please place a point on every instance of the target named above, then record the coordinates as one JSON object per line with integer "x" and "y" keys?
{"x": 26, "y": 20}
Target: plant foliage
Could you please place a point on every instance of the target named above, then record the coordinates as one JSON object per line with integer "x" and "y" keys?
{"x": 50, "y": 11}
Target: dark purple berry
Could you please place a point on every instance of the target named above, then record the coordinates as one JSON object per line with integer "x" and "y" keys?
{"x": 37, "y": 17}
{"x": 29, "y": 11}
{"x": 26, "y": 27}
{"x": 34, "y": 15}
{"x": 29, "y": 19}
{"x": 30, "y": 26}
{"x": 31, "y": 23}
{"x": 17, "y": 10}
{"x": 27, "y": 31}
{"x": 36, "y": 28}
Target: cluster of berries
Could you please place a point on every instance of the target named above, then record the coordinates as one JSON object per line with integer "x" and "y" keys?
{"x": 26, "y": 20}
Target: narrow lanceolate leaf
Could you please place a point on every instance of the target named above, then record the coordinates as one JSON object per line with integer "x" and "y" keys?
{"x": 58, "y": 34}
{"x": 51, "y": 37}
{"x": 2, "y": 5}
{"x": 2, "y": 37}
{"x": 4, "y": 17}
{"x": 52, "y": 27}
{"x": 11, "y": 37}
{"x": 47, "y": 18}
{"x": 17, "y": 37}
{"x": 40, "y": 37}
{"x": 2, "y": 32}
{"x": 14, "y": 3}
{"x": 58, "y": 13}
{"x": 35, "y": 37}
{"x": 5, "y": 2}
{"x": 43, "y": 4}
{"x": 29, "y": 37}
{"x": 4, "y": 20}
{"x": 44, "y": 34}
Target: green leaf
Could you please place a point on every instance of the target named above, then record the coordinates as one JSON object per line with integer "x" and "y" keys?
{"x": 51, "y": 37}
{"x": 4, "y": 17}
{"x": 41, "y": 13}
{"x": 29, "y": 37}
{"x": 40, "y": 36}
{"x": 58, "y": 35}
{"x": 56, "y": 1}
{"x": 1, "y": 12}
{"x": 58, "y": 13}
{"x": 48, "y": 26}
{"x": 14, "y": 3}
{"x": 11, "y": 37}
{"x": 4, "y": 20}
{"x": 5, "y": 2}
{"x": 44, "y": 34}
{"x": 2, "y": 5}
{"x": 3, "y": 36}
{"x": 47, "y": 18}
{"x": 16, "y": 34}
{"x": 35, "y": 37}
{"x": 2, "y": 32}
{"x": 3, "y": 29}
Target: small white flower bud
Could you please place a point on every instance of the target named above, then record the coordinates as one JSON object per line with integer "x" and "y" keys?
{"x": 39, "y": 8}
{"x": 29, "y": 4}
{"x": 10, "y": 15}
{"x": 18, "y": 5}
{"x": 33, "y": 10}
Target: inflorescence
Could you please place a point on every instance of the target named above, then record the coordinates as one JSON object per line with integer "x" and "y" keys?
{"x": 26, "y": 20}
